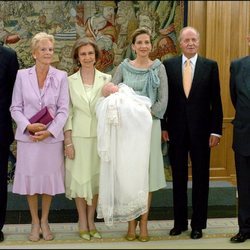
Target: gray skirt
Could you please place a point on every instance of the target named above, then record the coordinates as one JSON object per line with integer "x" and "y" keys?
{"x": 156, "y": 165}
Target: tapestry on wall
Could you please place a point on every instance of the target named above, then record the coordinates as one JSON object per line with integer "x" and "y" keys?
{"x": 109, "y": 23}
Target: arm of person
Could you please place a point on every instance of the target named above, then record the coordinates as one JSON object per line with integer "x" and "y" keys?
{"x": 16, "y": 108}
{"x": 118, "y": 77}
{"x": 62, "y": 104}
{"x": 69, "y": 150}
{"x": 215, "y": 101}
{"x": 12, "y": 72}
{"x": 232, "y": 84}
{"x": 159, "y": 107}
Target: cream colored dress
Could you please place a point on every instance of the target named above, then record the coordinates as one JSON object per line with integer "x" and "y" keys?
{"x": 82, "y": 173}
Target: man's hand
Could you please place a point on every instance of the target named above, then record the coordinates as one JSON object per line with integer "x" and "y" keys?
{"x": 214, "y": 141}
{"x": 164, "y": 135}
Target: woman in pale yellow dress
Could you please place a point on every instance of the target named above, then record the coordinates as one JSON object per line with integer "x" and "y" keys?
{"x": 82, "y": 160}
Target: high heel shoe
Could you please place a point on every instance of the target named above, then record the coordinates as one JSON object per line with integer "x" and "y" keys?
{"x": 145, "y": 237}
{"x": 132, "y": 236}
{"x": 47, "y": 234}
{"x": 35, "y": 233}
{"x": 84, "y": 234}
{"x": 95, "y": 233}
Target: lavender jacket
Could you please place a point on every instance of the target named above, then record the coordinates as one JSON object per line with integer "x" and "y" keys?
{"x": 27, "y": 101}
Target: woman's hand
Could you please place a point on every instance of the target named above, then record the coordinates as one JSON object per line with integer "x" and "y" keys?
{"x": 40, "y": 135}
{"x": 69, "y": 151}
{"x": 36, "y": 127}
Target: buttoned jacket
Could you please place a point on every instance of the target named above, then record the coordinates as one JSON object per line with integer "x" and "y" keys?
{"x": 82, "y": 116}
{"x": 240, "y": 96}
{"x": 28, "y": 99}
{"x": 8, "y": 70}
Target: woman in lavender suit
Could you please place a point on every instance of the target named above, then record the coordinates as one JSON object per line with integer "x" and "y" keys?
{"x": 40, "y": 156}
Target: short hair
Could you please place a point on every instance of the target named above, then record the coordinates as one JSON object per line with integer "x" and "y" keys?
{"x": 140, "y": 31}
{"x": 83, "y": 42}
{"x": 186, "y": 28}
{"x": 38, "y": 37}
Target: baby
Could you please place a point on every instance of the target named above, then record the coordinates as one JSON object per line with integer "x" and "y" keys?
{"x": 109, "y": 88}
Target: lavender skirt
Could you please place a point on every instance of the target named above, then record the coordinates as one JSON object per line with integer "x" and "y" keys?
{"x": 39, "y": 168}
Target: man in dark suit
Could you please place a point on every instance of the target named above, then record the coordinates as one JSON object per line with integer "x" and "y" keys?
{"x": 240, "y": 96}
{"x": 192, "y": 124}
{"x": 8, "y": 70}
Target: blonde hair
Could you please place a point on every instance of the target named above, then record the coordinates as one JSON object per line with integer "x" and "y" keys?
{"x": 38, "y": 37}
{"x": 140, "y": 31}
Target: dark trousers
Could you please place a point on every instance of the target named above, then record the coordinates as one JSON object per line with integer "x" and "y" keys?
{"x": 243, "y": 186}
{"x": 200, "y": 159}
{"x": 4, "y": 155}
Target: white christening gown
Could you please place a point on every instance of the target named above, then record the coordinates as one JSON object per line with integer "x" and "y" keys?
{"x": 123, "y": 138}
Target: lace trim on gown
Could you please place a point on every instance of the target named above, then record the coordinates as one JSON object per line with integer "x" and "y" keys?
{"x": 124, "y": 133}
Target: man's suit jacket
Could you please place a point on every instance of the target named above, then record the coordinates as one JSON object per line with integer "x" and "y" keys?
{"x": 200, "y": 113}
{"x": 240, "y": 96}
{"x": 82, "y": 116}
{"x": 8, "y": 70}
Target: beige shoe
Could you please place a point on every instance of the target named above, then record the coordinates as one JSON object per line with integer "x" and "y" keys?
{"x": 47, "y": 234}
{"x": 35, "y": 233}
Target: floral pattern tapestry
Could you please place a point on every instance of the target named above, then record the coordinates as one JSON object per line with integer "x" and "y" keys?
{"x": 109, "y": 23}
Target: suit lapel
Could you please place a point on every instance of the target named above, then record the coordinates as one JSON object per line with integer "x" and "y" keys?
{"x": 33, "y": 81}
{"x": 198, "y": 72}
{"x": 98, "y": 82}
{"x": 246, "y": 73}
{"x": 179, "y": 74}
{"x": 79, "y": 88}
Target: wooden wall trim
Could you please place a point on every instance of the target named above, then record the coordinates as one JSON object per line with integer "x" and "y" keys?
{"x": 223, "y": 26}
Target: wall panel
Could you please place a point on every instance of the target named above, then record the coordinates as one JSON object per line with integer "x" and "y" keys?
{"x": 224, "y": 26}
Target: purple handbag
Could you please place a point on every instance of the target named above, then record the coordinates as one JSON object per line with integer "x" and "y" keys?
{"x": 43, "y": 116}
